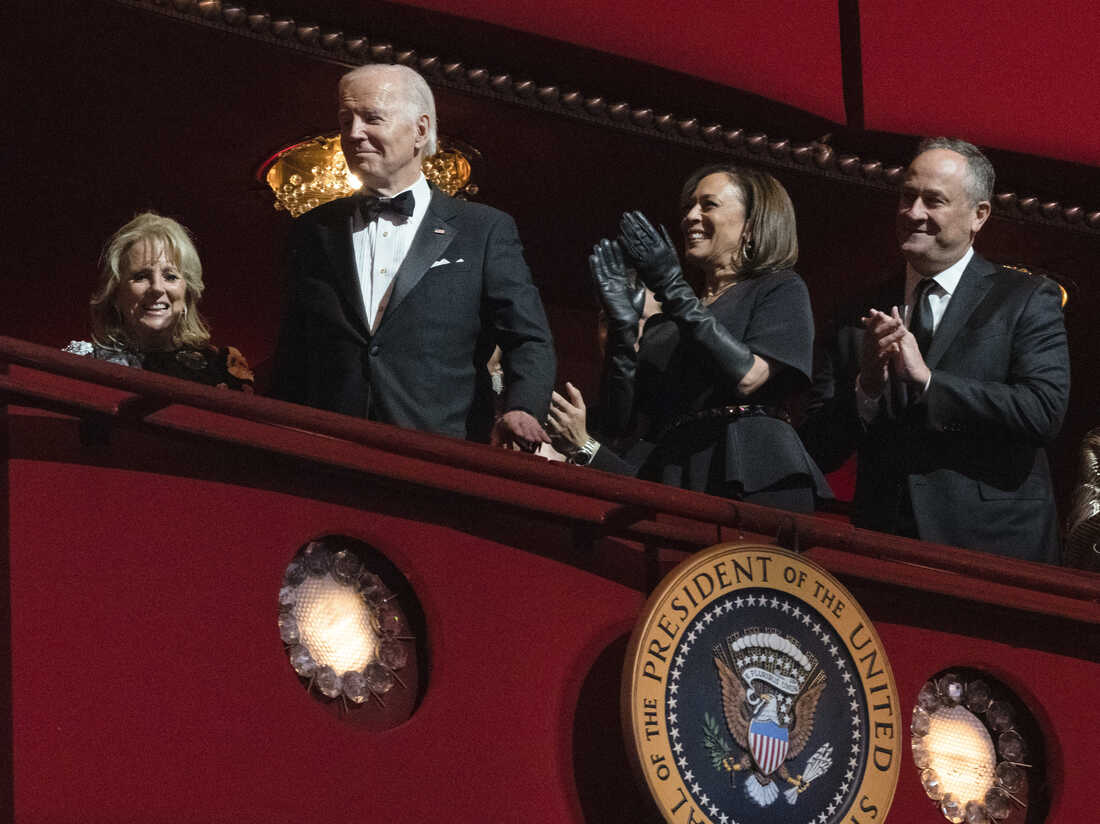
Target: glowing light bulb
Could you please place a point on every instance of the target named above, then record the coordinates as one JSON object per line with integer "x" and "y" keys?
{"x": 334, "y": 624}
{"x": 961, "y": 752}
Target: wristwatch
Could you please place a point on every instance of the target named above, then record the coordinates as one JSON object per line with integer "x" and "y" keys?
{"x": 584, "y": 455}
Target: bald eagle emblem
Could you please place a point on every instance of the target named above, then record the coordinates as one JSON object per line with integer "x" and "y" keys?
{"x": 770, "y": 689}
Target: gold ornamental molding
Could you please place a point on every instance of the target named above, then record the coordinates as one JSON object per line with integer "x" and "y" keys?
{"x": 817, "y": 157}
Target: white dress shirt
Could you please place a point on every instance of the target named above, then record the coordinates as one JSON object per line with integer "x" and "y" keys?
{"x": 939, "y": 293}
{"x": 381, "y": 246}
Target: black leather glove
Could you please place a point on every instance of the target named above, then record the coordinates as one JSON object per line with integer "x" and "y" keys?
{"x": 622, "y": 303}
{"x": 655, "y": 257}
{"x": 622, "y": 300}
{"x": 652, "y": 252}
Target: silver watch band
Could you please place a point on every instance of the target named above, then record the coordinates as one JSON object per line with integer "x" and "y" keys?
{"x": 584, "y": 455}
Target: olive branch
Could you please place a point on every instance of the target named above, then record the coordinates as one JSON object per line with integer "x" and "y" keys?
{"x": 714, "y": 741}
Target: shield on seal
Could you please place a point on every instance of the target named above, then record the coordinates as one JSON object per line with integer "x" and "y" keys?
{"x": 768, "y": 742}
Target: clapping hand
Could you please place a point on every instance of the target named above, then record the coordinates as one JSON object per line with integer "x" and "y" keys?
{"x": 651, "y": 251}
{"x": 879, "y": 341}
{"x": 888, "y": 344}
{"x": 622, "y": 298}
{"x": 568, "y": 420}
{"x": 655, "y": 258}
{"x": 906, "y": 359}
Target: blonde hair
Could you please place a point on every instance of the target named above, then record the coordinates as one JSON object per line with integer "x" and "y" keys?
{"x": 108, "y": 327}
{"x": 770, "y": 228}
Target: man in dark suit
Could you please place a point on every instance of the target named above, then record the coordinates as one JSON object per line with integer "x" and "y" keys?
{"x": 950, "y": 399}
{"x": 398, "y": 296}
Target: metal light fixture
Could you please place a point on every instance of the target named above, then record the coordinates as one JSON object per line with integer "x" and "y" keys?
{"x": 970, "y": 756}
{"x": 314, "y": 171}
{"x": 341, "y": 625}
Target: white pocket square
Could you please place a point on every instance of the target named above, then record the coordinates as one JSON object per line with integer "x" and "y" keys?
{"x": 444, "y": 262}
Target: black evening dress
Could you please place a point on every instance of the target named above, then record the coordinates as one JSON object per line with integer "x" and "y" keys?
{"x": 700, "y": 432}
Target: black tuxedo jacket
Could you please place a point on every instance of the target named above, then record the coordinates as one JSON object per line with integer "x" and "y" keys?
{"x": 970, "y": 451}
{"x": 463, "y": 288}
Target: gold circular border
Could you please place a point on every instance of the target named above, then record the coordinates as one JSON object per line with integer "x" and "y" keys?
{"x": 642, "y": 694}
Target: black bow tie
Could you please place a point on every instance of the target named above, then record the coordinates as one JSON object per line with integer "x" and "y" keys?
{"x": 371, "y": 207}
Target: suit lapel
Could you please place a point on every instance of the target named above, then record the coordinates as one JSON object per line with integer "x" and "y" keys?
{"x": 432, "y": 238}
{"x": 336, "y": 239}
{"x": 972, "y": 288}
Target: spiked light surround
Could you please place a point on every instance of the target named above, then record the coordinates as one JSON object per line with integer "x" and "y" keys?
{"x": 970, "y": 757}
{"x": 340, "y": 623}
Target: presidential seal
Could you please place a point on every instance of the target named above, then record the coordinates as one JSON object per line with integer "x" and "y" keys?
{"x": 756, "y": 690}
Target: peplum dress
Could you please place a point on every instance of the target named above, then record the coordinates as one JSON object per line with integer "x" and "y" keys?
{"x": 698, "y": 431}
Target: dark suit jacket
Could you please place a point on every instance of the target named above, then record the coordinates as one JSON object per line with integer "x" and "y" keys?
{"x": 424, "y": 366}
{"x": 970, "y": 452}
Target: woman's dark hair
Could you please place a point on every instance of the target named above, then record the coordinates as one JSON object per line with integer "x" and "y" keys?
{"x": 770, "y": 230}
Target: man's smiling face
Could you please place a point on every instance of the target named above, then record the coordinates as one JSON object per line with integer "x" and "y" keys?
{"x": 380, "y": 134}
{"x": 937, "y": 218}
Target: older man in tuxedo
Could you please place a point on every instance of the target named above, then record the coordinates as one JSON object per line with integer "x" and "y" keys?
{"x": 398, "y": 295}
{"x": 953, "y": 382}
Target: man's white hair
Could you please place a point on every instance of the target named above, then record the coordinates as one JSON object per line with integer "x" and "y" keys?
{"x": 415, "y": 94}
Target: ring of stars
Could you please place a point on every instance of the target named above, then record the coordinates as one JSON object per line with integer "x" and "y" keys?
{"x": 794, "y": 610}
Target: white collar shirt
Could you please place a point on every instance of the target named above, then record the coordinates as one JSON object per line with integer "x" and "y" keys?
{"x": 941, "y": 290}
{"x": 381, "y": 247}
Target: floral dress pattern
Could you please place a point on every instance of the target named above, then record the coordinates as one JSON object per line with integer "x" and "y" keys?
{"x": 224, "y": 367}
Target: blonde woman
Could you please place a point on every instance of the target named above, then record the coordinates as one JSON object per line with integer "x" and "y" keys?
{"x": 145, "y": 308}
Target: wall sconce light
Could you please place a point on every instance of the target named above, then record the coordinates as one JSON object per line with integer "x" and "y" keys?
{"x": 972, "y": 759}
{"x": 342, "y": 627}
{"x": 314, "y": 171}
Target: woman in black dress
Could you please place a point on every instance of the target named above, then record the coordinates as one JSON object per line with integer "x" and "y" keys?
{"x": 707, "y": 389}
{"x": 145, "y": 309}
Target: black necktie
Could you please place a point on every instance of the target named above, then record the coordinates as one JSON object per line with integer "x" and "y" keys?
{"x": 370, "y": 207}
{"x": 920, "y": 321}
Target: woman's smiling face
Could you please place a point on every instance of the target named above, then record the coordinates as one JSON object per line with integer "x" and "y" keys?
{"x": 714, "y": 224}
{"x": 151, "y": 296}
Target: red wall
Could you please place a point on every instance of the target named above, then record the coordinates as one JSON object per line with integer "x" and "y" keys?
{"x": 149, "y": 682}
